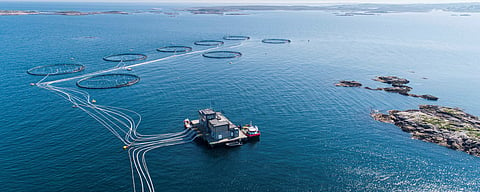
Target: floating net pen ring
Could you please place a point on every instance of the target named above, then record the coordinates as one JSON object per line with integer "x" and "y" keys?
{"x": 174, "y": 49}
{"x": 276, "y": 41}
{"x": 222, "y": 54}
{"x": 124, "y": 57}
{"x": 236, "y": 37}
{"x": 108, "y": 81}
{"x": 56, "y": 69}
{"x": 209, "y": 43}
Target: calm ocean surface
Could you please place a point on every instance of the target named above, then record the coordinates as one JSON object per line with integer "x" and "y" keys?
{"x": 315, "y": 136}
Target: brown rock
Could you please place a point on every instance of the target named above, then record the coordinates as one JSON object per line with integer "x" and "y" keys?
{"x": 429, "y": 97}
{"x": 348, "y": 84}
{"x": 449, "y": 127}
{"x": 392, "y": 80}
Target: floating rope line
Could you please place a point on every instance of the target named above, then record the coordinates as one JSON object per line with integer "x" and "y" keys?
{"x": 134, "y": 65}
{"x": 120, "y": 64}
{"x": 123, "y": 123}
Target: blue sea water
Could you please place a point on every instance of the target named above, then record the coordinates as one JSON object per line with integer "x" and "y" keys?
{"x": 315, "y": 136}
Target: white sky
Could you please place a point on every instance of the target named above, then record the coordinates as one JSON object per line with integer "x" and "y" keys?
{"x": 262, "y": 1}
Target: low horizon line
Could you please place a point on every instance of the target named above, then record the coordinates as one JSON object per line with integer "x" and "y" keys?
{"x": 268, "y": 2}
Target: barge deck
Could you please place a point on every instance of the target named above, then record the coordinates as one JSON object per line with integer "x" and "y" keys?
{"x": 215, "y": 129}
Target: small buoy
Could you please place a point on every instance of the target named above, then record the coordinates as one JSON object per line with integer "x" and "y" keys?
{"x": 94, "y": 101}
{"x": 32, "y": 84}
{"x": 125, "y": 147}
{"x": 129, "y": 69}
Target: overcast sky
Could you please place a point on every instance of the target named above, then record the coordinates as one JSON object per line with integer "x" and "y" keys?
{"x": 263, "y": 1}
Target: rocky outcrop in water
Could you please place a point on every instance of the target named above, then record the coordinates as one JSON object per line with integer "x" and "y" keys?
{"x": 449, "y": 127}
{"x": 348, "y": 84}
{"x": 394, "y": 80}
{"x": 428, "y": 97}
{"x": 397, "y": 86}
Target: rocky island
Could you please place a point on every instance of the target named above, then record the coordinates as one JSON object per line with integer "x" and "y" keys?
{"x": 397, "y": 83}
{"x": 445, "y": 126}
{"x": 348, "y": 84}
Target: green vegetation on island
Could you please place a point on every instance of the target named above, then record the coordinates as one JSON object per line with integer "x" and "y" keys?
{"x": 449, "y": 127}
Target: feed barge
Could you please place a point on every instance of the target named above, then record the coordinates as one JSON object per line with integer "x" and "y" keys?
{"x": 217, "y": 130}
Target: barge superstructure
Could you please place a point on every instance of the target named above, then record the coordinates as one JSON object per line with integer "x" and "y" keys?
{"x": 216, "y": 129}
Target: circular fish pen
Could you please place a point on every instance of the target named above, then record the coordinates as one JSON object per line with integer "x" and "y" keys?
{"x": 175, "y": 49}
{"x": 209, "y": 43}
{"x": 222, "y": 54}
{"x": 125, "y": 57}
{"x": 56, "y": 69}
{"x": 108, "y": 81}
{"x": 236, "y": 37}
{"x": 276, "y": 41}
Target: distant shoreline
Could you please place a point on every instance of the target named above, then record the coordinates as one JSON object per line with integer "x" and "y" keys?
{"x": 339, "y": 10}
{"x": 346, "y": 9}
{"x": 67, "y": 13}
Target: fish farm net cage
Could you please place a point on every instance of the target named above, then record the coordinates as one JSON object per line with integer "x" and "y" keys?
{"x": 175, "y": 49}
{"x": 209, "y": 43}
{"x": 236, "y": 37}
{"x": 222, "y": 54}
{"x": 276, "y": 41}
{"x": 56, "y": 69}
{"x": 124, "y": 57}
{"x": 108, "y": 81}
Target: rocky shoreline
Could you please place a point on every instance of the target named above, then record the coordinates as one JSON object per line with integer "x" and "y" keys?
{"x": 445, "y": 126}
{"x": 397, "y": 83}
